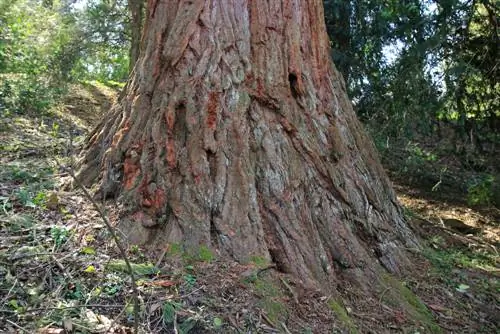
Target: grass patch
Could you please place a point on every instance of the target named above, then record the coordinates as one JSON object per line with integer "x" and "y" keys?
{"x": 270, "y": 299}
{"x": 445, "y": 260}
{"x": 259, "y": 261}
{"x": 138, "y": 268}
{"x": 200, "y": 254}
{"x": 205, "y": 254}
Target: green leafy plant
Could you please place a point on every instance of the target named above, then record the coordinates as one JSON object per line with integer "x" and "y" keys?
{"x": 60, "y": 235}
{"x": 189, "y": 279}
{"x": 169, "y": 310}
{"x": 24, "y": 196}
{"x": 480, "y": 191}
{"x": 75, "y": 291}
{"x": 205, "y": 254}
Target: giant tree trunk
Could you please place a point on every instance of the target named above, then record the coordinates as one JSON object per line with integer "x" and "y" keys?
{"x": 236, "y": 132}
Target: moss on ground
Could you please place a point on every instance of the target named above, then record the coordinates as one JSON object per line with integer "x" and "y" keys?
{"x": 398, "y": 295}
{"x": 341, "y": 314}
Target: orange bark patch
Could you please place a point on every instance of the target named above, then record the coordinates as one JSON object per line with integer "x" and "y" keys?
{"x": 120, "y": 133}
{"x": 130, "y": 172}
{"x": 171, "y": 156}
{"x": 170, "y": 119}
{"x": 213, "y": 104}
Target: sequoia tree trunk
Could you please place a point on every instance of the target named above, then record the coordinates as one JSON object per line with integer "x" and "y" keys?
{"x": 236, "y": 133}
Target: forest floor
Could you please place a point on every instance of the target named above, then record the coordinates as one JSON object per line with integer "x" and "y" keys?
{"x": 61, "y": 273}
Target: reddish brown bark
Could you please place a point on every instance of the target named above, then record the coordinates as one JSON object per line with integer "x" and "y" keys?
{"x": 236, "y": 133}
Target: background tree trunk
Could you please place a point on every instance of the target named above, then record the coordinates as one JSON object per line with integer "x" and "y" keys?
{"x": 236, "y": 132}
{"x": 136, "y": 9}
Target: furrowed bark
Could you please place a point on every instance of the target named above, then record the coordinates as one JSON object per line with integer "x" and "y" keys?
{"x": 236, "y": 132}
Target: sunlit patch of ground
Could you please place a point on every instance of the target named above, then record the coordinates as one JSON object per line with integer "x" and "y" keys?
{"x": 486, "y": 220}
{"x": 59, "y": 131}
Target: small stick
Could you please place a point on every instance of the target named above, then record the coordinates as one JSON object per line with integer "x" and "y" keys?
{"x": 16, "y": 325}
{"x": 285, "y": 328}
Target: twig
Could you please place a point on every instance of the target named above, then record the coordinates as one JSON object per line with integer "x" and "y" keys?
{"x": 68, "y": 307}
{"x": 16, "y": 325}
{"x": 115, "y": 319}
{"x": 22, "y": 256}
{"x": 123, "y": 253}
{"x": 292, "y": 292}
{"x": 382, "y": 295}
{"x": 8, "y": 293}
{"x": 269, "y": 321}
{"x": 192, "y": 292}
{"x": 285, "y": 328}
{"x": 162, "y": 255}
{"x": 60, "y": 266}
{"x": 175, "y": 323}
{"x": 271, "y": 266}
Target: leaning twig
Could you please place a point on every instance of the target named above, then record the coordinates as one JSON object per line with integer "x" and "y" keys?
{"x": 121, "y": 249}
{"x": 175, "y": 323}
{"x": 8, "y": 293}
{"x": 269, "y": 321}
{"x": 382, "y": 295}
{"x": 285, "y": 328}
{"x": 42, "y": 309}
{"x": 289, "y": 288}
{"x": 17, "y": 326}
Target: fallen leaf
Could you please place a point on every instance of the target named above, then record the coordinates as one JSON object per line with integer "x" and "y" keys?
{"x": 90, "y": 269}
{"x": 165, "y": 283}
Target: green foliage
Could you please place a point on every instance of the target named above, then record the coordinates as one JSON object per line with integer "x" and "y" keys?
{"x": 60, "y": 235}
{"x": 259, "y": 261}
{"x": 169, "y": 309}
{"x": 36, "y": 55}
{"x": 105, "y": 48}
{"x": 23, "y": 93}
{"x": 189, "y": 280}
{"x": 45, "y": 45}
{"x": 32, "y": 185}
{"x": 409, "y": 64}
{"x": 445, "y": 260}
{"x": 217, "y": 322}
{"x": 481, "y": 191}
{"x": 139, "y": 269}
{"x": 205, "y": 254}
